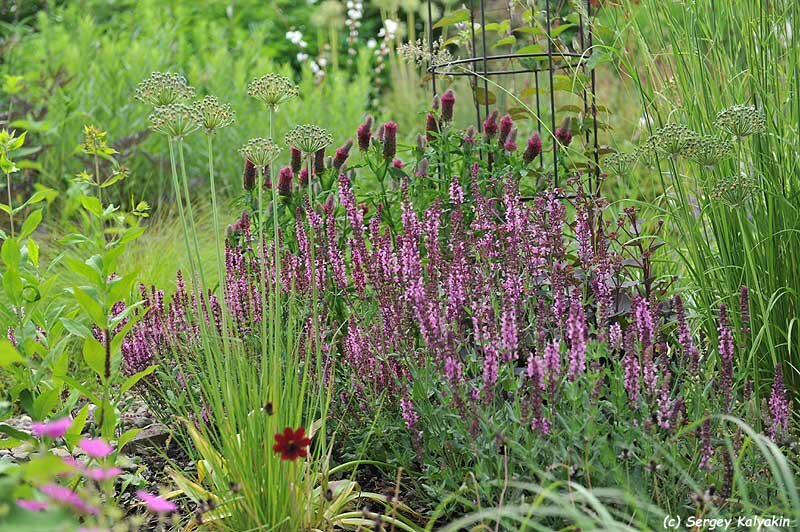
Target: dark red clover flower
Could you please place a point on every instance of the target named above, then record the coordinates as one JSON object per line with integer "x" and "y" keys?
{"x": 448, "y": 101}
{"x": 363, "y": 134}
{"x": 249, "y": 175}
{"x": 490, "y": 125}
{"x": 389, "y": 140}
{"x": 319, "y": 161}
{"x": 506, "y": 123}
{"x": 534, "y": 148}
{"x": 303, "y": 177}
{"x": 342, "y": 153}
{"x": 297, "y": 160}
{"x": 564, "y": 133}
{"x": 285, "y": 177}
{"x": 431, "y": 127}
{"x": 292, "y": 444}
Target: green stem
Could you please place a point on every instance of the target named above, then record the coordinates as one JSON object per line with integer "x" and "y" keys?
{"x": 10, "y": 207}
{"x": 179, "y": 201}
{"x": 217, "y": 243}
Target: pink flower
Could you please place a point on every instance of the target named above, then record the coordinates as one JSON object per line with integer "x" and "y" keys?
{"x": 100, "y": 473}
{"x": 67, "y": 496}
{"x": 155, "y": 503}
{"x": 51, "y": 429}
{"x": 95, "y": 447}
{"x": 31, "y": 505}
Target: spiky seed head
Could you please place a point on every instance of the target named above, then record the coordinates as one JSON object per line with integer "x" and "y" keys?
{"x": 672, "y": 140}
{"x": 742, "y": 120}
{"x": 164, "y": 88}
{"x": 272, "y": 90}
{"x": 175, "y": 120}
{"x": 261, "y": 152}
{"x": 734, "y": 191}
{"x": 620, "y": 164}
{"x": 211, "y": 115}
{"x": 708, "y": 150}
{"x": 308, "y": 138}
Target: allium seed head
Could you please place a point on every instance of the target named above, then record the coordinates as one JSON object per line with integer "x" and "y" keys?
{"x": 708, "y": 150}
{"x": 308, "y": 138}
{"x": 176, "y": 120}
{"x": 261, "y": 152}
{"x": 620, "y": 164}
{"x": 734, "y": 191}
{"x": 672, "y": 140}
{"x": 272, "y": 90}
{"x": 212, "y": 115}
{"x": 742, "y": 120}
{"x": 164, "y": 88}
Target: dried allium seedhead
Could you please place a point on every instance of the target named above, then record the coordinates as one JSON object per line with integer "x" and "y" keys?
{"x": 672, "y": 140}
{"x": 389, "y": 140}
{"x": 708, "y": 150}
{"x": 308, "y": 138}
{"x": 175, "y": 120}
{"x": 533, "y": 149}
{"x": 742, "y": 120}
{"x": 620, "y": 164}
{"x": 563, "y": 133}
{"x": 261, "y": 152}
{"x": 164, "y": 88}
{"x": 734, "y": 191}
{"x": 212, "y": 115}
{"x": 448, "y": 102}
{"x": 272, "y": 90}
{"x": 249, "y": 175}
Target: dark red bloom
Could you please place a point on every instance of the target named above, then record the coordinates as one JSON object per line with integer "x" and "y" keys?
{"x": 364, "y": 135}
{"x": 249, "y": 175}
{"x": 389, "y": 140}
{"x": 341, "y": 155}
{"x": 297, "y": 160}
{"x": 534, "y": 148}
{"x": 319, "y": 161}
{"x": 490, "y": 125}
{"x": 448, "y": 101}
{"x": 564, "y": 133}
{"x": 267, "y": 180}
{"x": 285, "y": 177}
{"x": 303, "y": 176}
{"x": 292, "y": 444}
{"x": 506, "y": 123}
{"x": 397, "y": 163}
{"x": 431, "y": 126}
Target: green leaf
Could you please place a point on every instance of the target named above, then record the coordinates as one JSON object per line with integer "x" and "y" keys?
{"x": 33, "y": 251}
{"x": 461, "y": 15}
{"x": 9, "y": 354}
{"x": 45, "y": 402}
{"x": 93, "y": 205}
{"x": 8, "y": 430}
{"x": 126, "y": 437}
{"x": 30, "y": 224}
{"x": 131, "y": 381}
{"x": 81, "y": 388}
{"x": 91, "y": 307}
{"x": 484, "y": 97}
{"x": 530, "y": 49}
{"x": 10, "y": 253}
{"x": 505, "y": 41}
{"x": 76, "y": 328}
{"x": 73, "y": 434}
{"x": 43, "y": 468}
{"x": 94, "y": 353}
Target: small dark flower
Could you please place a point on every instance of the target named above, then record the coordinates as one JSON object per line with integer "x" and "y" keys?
{"x": 469, "y": 136}
{"x": 269, "y": 408}
{"x": 303, "y": 177}
{"x": 249, "y": 176}
{"x": 364, "y": 134}
{"x": 285, "y": 177}
{"x": 319, "y": 161}
{"x": 506, "y": 123}
{"x": 534, "y": 148}
{"x": 431, "y": 127}
{"x": 292, "y": 444}
{"x": 397, "y": 163}
{"x": 510, "y": 144}
{"x": 297, "y": 160}
{"x": 744, "y": 309}
{"x": 341, "y": 155}
{"x": 490, "y": 125}
{"x": 389, "y": 140}
{"x": 564, "y": 133}
{"x": 448, "y": 101}
{"x": 422, "y": 168}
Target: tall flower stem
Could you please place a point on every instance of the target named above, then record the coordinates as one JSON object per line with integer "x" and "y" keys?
{"x": 177, "y": 188}
{"x": 278, "y": 309}
{"x": 217, "y": 242}
{"x": 10, "y": 208}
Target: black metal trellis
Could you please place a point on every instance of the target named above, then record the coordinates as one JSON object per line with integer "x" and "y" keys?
{"x": 557, "y": 58}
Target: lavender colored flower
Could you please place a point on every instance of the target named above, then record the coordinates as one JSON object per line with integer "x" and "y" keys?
{"x": 448, "y": 101}
{"x": 389, "y": 140}
{"x": 410, "y": 415}
{"x": 31, "y": 505}
{"x": 778, "y": 406}
{"x": 95, "y": 447}
{"x": 533, "y": 149}
{"x": 744, "y": 309}
{"x": 66, "y": 496}
{"x": 630, "y": 366}
{"x": 615, "y": 336}
{"x": 576, "y": 333}
{"x": 726, "y": 351}
{"x": 707, "y": 451}
{"x": 156, "y": 504}
{"x": 685, "y": 337}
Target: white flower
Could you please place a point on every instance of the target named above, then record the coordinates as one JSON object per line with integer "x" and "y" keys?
{"x": 301, "y": 57}
{"x": 295, "y": 37}
{"x": 322, "y": 62}
{"x": 302, "y": 44}
{"x": 372, "y": 43}
{"x": 391, "y": 26}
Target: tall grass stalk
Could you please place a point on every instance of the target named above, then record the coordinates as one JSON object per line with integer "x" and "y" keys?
{"x": 694, "y": 59}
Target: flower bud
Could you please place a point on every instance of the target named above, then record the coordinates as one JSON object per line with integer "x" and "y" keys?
{"x": 431, "y": 126}
{"x": 297, "y": 160}
{"x": 285, "y": 177}
{"x": 534, "y": 148}
{"x": 341, "y": 155}
{"x": 319, "y": 162}
{"x": 490, "y": 125}
{"x": 364, "y": 134}
{"x": 564, "y": 133}
{"x": 249, "y": 176}
{"x": 389, "y": 140}
{"x": 448, "y": 101}
{"x": 506, "y": 123}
